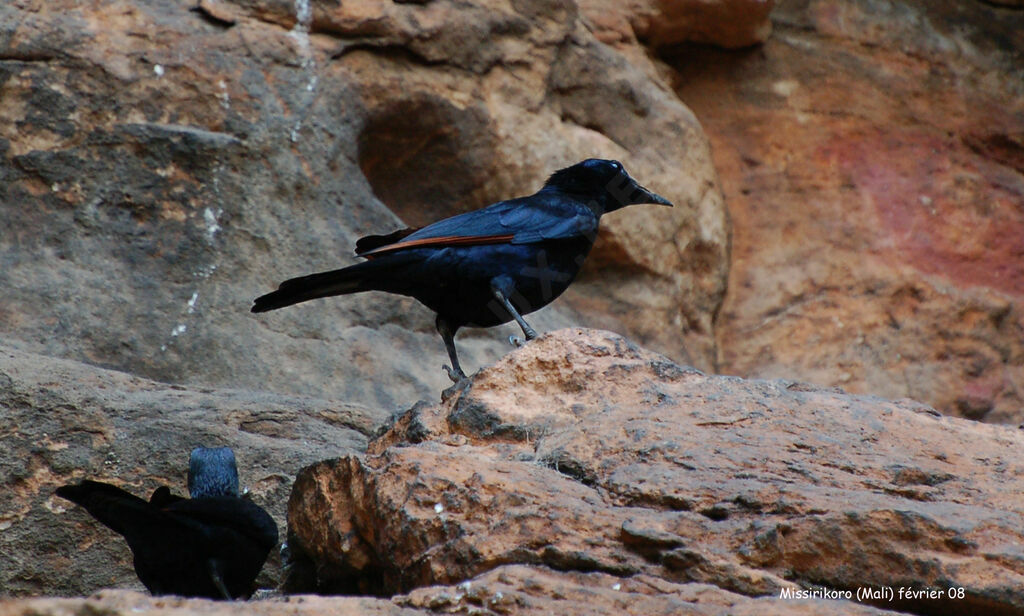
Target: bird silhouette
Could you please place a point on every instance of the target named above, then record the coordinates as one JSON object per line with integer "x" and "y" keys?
{"x": 211, "y": 545}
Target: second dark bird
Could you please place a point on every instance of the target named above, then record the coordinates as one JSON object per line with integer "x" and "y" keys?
{"x": 211, "y": 545}
{"x": 486, "y": 267}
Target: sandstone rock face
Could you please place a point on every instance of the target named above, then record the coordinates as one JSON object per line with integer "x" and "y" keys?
{"x": 582, "y": 452}
{"x": 872, "y": 158}
{"x": 161, "y": 166}
{"x": 63, "y": 421}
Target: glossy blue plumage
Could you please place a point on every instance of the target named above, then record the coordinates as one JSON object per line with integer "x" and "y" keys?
{"x": 489, "y": 266}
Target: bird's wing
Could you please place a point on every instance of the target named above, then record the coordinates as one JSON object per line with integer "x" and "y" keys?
{"x": 519, "y": 221}
{"x": 113, "y": 507}
{"x": 144, "y": 525}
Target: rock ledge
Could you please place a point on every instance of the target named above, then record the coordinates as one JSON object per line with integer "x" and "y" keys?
{"x": 584, "y": 454}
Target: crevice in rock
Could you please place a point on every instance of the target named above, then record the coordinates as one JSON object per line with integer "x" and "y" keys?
{"x": 27, "y": 57}
{"x": 1005, "y": 149}
{"x": 387, "y": 49}
{"x": 716, "y": 513}
{"x": 650, "y": 543}
{"x": 562, "y": 464}
{"x": 214, "y": 20}
{"x": 655, "y": 501}
{"x": 583, "y": 563}
{"x": 427, "y": 159}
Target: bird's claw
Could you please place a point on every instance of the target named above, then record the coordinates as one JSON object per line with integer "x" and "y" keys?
{"x": 458, "y": 385}
{"x": 518, "y": 342}
{"x": 455, "y": 375}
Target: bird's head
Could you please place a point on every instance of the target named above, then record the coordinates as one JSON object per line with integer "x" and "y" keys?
{"x": 603, "y": 184}
{"x": 212, "y": 472}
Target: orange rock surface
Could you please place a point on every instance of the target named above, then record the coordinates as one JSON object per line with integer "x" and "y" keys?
{"x": 583, "y": 452}
{"x": 872, "y": 158}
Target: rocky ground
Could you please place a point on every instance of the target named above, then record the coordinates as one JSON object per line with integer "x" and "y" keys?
{"x": 608, "y": 479}
{"x": 507, "y": 590}
{"x": 583, "y": 452}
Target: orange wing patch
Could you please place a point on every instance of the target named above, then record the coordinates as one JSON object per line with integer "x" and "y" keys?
{"x": 440, "y": 242}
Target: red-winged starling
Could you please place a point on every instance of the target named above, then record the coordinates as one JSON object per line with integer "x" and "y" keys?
{"x": 489, "y": 266}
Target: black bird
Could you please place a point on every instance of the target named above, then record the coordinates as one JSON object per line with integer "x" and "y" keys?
{"x": 486, "y": 267}
{"x": 212, "y": 545}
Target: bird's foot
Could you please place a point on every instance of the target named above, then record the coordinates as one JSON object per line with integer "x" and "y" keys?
{"x": 517, "y": 342}
{"x": 457, "y": 387}
{"x": 455, "y": 374}
{"x": 530, "y": 333}
{"x": 216, "y": 571}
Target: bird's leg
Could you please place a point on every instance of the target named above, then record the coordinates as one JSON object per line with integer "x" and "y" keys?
{"x": 447, "y": 332}
{"x": 502, "y": 297}
{"x": 218, "y": 579}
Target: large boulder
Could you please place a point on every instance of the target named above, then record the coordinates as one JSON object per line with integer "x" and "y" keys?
{"x": 584, "y": 452}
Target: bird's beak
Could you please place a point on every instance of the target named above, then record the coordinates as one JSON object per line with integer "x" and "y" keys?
{"x": 642, "y": 195}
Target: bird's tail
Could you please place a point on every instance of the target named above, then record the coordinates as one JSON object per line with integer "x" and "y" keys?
{"x": 113, "y": 507}
{"x": 325, "y": 284}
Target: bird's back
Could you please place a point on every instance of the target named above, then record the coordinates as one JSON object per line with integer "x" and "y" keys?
{"x": 232, "y": 532}
{"x": 543, "y": 216}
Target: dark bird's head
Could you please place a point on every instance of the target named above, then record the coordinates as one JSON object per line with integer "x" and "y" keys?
{"x": 212, "y": 472}
{"x": 603, "y": 184}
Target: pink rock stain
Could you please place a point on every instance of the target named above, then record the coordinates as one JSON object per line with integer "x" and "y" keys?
{"x": 940, "y": 207}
